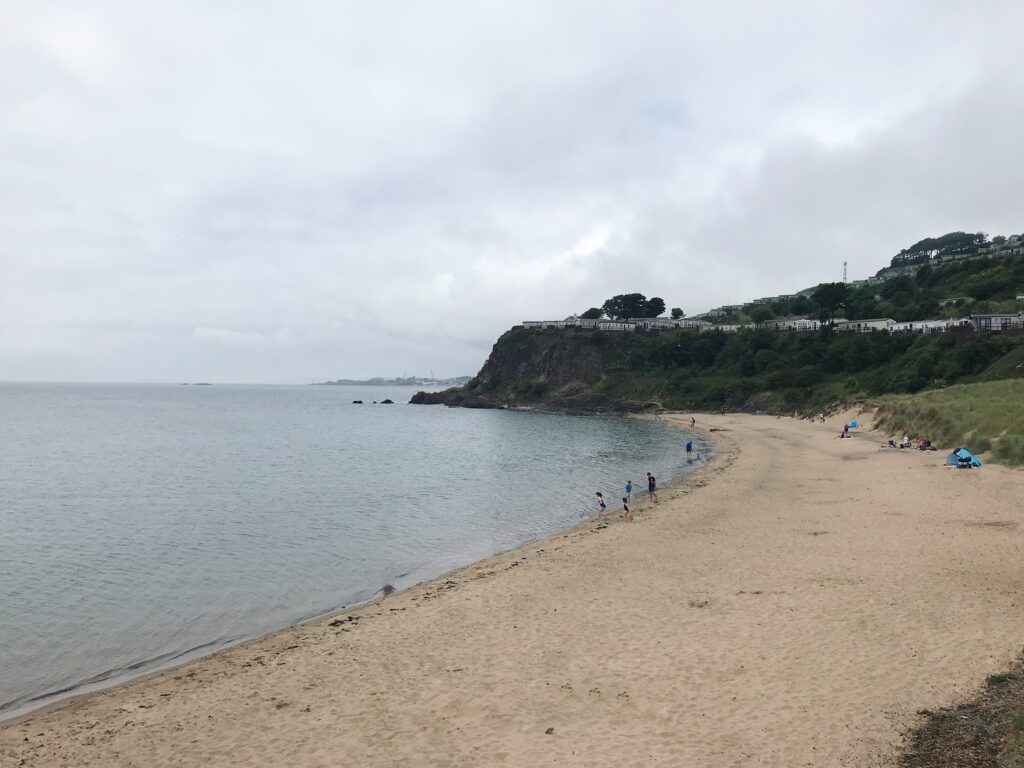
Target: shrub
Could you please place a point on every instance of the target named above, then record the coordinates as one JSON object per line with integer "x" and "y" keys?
{"x": 979, "y": 444}
{"x": 1010, "y": 450}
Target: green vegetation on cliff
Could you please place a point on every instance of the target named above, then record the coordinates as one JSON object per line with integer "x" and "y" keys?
{"x": 712, "y": 370}
{"x": 977, "y": 285}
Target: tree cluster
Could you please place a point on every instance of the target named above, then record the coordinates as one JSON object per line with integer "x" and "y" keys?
{"x": 988, "y": 286}
{"x": 627, "y": 305}
{"x": 713, "y": 368}
{"x": 951, "y": 243}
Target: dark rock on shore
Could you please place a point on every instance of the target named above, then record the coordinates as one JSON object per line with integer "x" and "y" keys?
{"x": 581, "y": 403}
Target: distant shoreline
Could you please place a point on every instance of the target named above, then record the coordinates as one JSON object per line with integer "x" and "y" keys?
{"x": 457, "y": 381}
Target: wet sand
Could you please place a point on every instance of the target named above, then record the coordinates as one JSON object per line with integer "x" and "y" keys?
{"x": 795, "y": 603}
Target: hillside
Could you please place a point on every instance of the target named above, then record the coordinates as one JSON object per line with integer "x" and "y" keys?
{"x": 749, "y": 370}
{"x": 752, "y": 369}
{"x": 914, "y": 291}
{"x": 985, "y": 418}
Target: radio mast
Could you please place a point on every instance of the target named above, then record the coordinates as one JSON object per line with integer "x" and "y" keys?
{"x": 844, "y": 272}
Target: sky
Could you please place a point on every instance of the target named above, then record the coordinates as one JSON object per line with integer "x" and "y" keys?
{"x": 279, "y": 192}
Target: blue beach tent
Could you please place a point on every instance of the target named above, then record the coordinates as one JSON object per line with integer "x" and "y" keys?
{"x": 961, "y": 456}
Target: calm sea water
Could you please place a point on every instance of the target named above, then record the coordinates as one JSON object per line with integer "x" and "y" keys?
{"x": 141, "y": 525}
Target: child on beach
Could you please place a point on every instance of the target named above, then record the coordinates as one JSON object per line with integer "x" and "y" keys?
{"x": 689, "y": 450}
{"x": 626, "y": 515}
{"x": 652, "y": 487}
{"x": 600, "y": 503}
{"x": 629, "y": 489}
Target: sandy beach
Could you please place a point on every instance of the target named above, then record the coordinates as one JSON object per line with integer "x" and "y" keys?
{"x": 795, "y": 603}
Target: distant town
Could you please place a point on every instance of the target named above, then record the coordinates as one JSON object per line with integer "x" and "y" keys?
{"x": 403, "y": 381}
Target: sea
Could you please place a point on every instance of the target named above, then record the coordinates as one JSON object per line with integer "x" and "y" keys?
{"x": 145, "y": 525}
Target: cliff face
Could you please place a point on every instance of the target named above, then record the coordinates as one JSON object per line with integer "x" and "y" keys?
{"x": 750, "y": 371}
{"x": 548, "y": 369}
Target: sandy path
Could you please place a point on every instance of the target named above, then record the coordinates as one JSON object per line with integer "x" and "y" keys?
{"x": 793, "y": 606}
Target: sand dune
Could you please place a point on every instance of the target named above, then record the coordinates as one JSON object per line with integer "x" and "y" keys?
{"x": 794, "y": 604}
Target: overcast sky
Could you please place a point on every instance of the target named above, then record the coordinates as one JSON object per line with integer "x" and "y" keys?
{"x": 290, "y": 191}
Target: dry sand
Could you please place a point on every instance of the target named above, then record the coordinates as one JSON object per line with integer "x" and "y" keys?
{"x": 794, "y": 604}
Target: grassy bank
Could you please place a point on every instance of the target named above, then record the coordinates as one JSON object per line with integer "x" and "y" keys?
{"x": 985, "y": 418}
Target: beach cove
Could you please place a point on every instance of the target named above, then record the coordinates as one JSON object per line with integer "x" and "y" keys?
{"x": 796, "y": 602}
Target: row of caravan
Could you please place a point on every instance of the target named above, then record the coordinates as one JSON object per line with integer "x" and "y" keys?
{"x": 979, "y": 323}
{"x": 632, "y": 324}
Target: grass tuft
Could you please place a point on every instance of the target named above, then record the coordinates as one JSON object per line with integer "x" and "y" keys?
{"x": 1001, "y": 679}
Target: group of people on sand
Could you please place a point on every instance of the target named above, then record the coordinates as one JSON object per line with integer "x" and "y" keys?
{"x": 922, "y": 443}
{"x": 652, "y": 493}
{"x": 652, "y": 485}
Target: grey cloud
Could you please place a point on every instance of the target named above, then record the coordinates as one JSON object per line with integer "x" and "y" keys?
{"x": 289, "y": 190}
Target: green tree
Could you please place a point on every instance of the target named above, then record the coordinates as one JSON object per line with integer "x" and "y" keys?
{"x": 902, "y": 285}
{"x": 949, "y": 243}
{"x": 594, "y": 313}
{"x": 626, "y": 305}
{"x": 677, "y": 313}
{"x": 655, "y": 307}
{"x": 763, "y": 359}
{"x": 761, "y": 312}
{"x": 829, "y": 298}
{"x": 924, "y": 276}
{"x": 801, "y": 305}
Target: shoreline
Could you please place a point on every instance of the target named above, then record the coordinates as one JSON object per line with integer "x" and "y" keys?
{"x": 796, "y": 601}
{"x": 113, "y": 680}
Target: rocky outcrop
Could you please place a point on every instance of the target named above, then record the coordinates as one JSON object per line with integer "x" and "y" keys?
{"x": 549, "y": 370}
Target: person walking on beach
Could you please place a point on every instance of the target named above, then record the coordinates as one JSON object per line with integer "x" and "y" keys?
{"x": 693, "y": 422}
{"x": 600, "y": 504}
{"x": 629, "y": 490}
{"x": 626, "y": 514}
{"x": 652, "y": 487}
{"x": 689, "y": 450}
